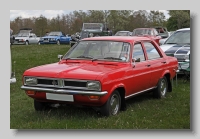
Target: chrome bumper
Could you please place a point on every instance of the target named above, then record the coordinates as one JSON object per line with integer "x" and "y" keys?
{"x": 70, "y": 92}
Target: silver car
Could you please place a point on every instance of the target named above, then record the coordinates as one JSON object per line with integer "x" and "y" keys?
{"x": 26, "y": 37}
{"x": 178, "y": 45}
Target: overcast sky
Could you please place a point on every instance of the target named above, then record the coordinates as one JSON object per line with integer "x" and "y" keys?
{"x": 47, "y": 13}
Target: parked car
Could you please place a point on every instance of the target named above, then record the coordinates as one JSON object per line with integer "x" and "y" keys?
{"x": 123, "y": 33}
{"x": 25, "y": 36}
{"x": 55, "y": 37}
{"x": 102, "y": 72}
{"x": 178, "y": 45}
{"x": 12, "y": 38}
{"x": 91, "y": 30}
{"x": 162, "y": 31}
{"x": 147, "y": 32}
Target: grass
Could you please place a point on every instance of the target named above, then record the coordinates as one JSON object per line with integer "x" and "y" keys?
{"x": 143, "y": 111}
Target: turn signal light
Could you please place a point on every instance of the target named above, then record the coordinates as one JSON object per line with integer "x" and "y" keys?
{"x": 94, "y": 97}
{"x": 30, "y": 92}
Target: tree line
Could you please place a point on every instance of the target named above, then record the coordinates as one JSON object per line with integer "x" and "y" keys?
{"x": 115, "y": 19}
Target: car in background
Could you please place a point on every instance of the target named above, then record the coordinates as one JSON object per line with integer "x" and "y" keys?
{"x": 55, "y": 37}
{"x": 102, "y": 73}
{"x": 26, "y": 37}
{"x": 12, "y": 38}
{"x": 162, "y": 31}
{"x": 178, "y": 45}
{"x": 147, "y": 32}
{"x": 123, "y": 33}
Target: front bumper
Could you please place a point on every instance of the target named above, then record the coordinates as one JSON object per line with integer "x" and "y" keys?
{"x": 64, "y": 91}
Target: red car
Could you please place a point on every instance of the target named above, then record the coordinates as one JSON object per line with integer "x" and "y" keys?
{"x": 147, "y": 32}
{"x": 102, "y": 73}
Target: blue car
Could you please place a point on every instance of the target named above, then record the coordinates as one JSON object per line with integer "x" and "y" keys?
{"x": 55, "y": 37}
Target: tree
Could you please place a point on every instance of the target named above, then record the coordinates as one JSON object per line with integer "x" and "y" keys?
{"x": 182, "y": 18}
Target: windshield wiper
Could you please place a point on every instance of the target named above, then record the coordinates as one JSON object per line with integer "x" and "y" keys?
{"x": 170, "y": 43}
{"x": 82, "y": 56}
{"x": 113, "y": 58}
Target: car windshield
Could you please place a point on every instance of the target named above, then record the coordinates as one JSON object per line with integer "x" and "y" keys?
{"x": 179, "y": 37}
{"x": 138, "y": 32}
{"x": 100, "y": 50}
{"x": 122, "y": 34}
{"x": 54, "y": 34}
{"x": 23, "y": 35}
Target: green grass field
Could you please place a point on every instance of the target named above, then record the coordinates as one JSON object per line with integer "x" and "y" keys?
{"x": 143, "y": 112}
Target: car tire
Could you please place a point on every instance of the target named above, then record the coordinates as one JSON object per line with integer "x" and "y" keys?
{"x": 26, "y": 43}
{"x": 39, "y": 106}
{"x": 113, "y": 105}
{"x": 58, "y": 42}
{"x": 162, "y": 87}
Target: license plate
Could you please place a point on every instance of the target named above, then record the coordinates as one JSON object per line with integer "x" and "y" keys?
{"x": 61, "y": 97}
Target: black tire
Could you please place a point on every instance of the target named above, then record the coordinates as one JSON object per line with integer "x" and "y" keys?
{"x": 39, "y": 106}
{"x": 58, "y": 42}
{"x": 113, "y": 105}
{"x": 26, "y": 43}
{"x": 162, "y": 88}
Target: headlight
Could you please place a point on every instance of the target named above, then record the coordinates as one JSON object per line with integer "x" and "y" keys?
{"x": 30, "y": 81}
{"x": 52, "y": 39}
{"x": 94, "y": 85}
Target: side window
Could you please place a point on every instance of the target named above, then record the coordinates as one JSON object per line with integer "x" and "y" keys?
{"x": 138, "y": 52}
{"x": 155, "y": 32}
{"x": 152, "y": 52}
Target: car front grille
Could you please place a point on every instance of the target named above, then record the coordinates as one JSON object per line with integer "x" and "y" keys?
{"x": 61, "y": 83}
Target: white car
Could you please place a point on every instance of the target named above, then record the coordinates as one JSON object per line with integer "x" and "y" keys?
{"x": 178, "y": 45}
{"x": 26, "y": 37}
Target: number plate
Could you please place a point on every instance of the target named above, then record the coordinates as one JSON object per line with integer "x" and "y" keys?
{"x": 61, "y": 97}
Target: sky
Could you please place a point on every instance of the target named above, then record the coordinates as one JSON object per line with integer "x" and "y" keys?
{"x": 49, "y": 13}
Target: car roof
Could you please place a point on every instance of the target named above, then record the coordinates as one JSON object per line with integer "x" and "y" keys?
{"x": 117, "y": 38}
{"x": 123, "y": 31}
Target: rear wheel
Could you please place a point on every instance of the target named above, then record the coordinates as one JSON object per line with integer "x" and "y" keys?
{"x": 162, "y": 87}
{"x": 113, "y": 105}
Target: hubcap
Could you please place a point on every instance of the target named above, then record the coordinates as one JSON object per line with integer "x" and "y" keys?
{"x": 163, "y": 87}
{"x": 114, "y": 104}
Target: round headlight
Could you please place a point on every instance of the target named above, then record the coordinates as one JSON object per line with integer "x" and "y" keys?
{"x": 94, "y": 85}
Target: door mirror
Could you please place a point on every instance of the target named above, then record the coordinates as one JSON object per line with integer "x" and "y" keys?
{"x": 60, "y": 57}
{"x": 135, "y": 60}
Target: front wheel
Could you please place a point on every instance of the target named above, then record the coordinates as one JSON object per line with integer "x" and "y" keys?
{"x": 58, "y": 42}
{"x": 162, "y": 87}
{"x": 113, "y": 105}
{"x": 26, "y": 43}
{"x": 39, "y": 106}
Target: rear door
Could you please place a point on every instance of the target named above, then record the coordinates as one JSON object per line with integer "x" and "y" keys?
{"x": 156, "y": 62}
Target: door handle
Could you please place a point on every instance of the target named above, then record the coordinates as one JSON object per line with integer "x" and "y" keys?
{"x": 148, "y": 65}
{"x": 163, "y": 62}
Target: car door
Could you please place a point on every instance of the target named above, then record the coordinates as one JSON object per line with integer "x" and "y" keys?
{"x": 140, "y": 71}
{"x": 156, "y": 62}
{"x": 63, "y": 38}
{"x": 33, "y": 39}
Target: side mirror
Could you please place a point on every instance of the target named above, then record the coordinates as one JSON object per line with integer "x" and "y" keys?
{"x": 135, "y": 60}
{"x": 60, "y": 57}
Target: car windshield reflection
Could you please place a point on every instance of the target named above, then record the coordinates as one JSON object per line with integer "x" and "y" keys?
{"x": 101, "y": 50}
{"x": 179, "y": 37}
